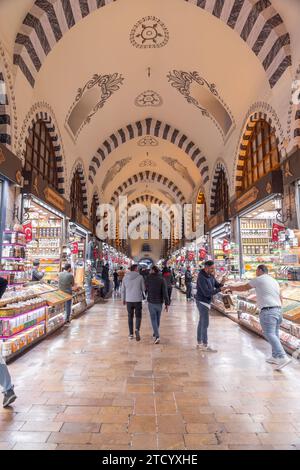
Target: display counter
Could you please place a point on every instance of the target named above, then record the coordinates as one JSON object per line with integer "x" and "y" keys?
{"x": 79, "y": 303}
{"x": 242, "y": 308}
{"x": 29, "y": 314}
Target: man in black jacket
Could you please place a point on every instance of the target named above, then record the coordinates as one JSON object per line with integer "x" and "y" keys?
{"x": 157, "y": 292}
{"x": 207, "y": 287}
{"x": 188, "y": 278}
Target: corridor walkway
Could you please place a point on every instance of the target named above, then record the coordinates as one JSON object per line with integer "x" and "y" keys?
{"x": 89, "y": 387}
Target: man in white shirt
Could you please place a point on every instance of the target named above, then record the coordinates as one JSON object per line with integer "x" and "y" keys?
{"x": 269, "y": 302}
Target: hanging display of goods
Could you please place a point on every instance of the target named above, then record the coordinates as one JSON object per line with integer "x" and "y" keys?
{"x": 191, "y": 256}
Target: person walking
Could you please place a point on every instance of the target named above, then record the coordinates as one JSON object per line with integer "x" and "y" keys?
{"x": 157, "y": 294}
{"x": 133, "y": 291}
{"x": 36, "y": 275}
{"x": 105, "y": 277}
{"x": 5, "y": 378}
{"x": 66, "y": 283}
{"x": 207, "y": 287}
{"x": 188, "y": 279}
{"x": 269, "y": 302}
{"x": 167, "y": 276}
{"x": 116, "y": 281}
{"x": 121, "y": 274}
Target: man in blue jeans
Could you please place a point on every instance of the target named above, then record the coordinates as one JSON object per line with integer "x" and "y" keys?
{"x": 207, "y": 287}
{"x": 269, "y": 302}
{"x": 157, "y": 294}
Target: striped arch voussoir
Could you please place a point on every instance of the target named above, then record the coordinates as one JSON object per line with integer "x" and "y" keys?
{"x": 244, "y": 143}
{"x": 5, "y": 118}
{"x": 148, "y": 177}
{"x": 220, "y": 166}
{"x": 154, "y": 128}
{"x": 47, "y": 119}
{"x": 79, "y": 167}
{"x": 255, "y": 21}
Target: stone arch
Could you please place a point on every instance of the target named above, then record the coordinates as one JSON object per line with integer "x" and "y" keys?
{"x": 257, "y": 111}
{"x": 220, "y": 165}
{"x": 42, "y": 111}
{"x": 149, "y": 127}
{"x": 149, "y": 177}
{"x": 293, "y": 124}
{"x": 8, "y": 110}
{"x": 257, "y": 23}
{"x": 79, "y": 166}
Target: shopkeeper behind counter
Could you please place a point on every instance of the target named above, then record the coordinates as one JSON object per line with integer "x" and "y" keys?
{"x": 36, "y": 274}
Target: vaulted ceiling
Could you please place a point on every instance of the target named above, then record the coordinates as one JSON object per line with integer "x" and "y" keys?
{"x": 149, "y": 87}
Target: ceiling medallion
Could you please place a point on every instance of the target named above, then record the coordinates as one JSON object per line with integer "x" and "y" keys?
{"x": 148, "y": 98}
{"x": 147, "y": 163}
{"x": 149, "y": 32}
{"x": 148, "y": 141}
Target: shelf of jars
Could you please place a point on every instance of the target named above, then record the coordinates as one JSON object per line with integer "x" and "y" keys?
{"x": 13, "y": 266}
{"x": 29, "y": 314}
{"x": 46, "y": 245}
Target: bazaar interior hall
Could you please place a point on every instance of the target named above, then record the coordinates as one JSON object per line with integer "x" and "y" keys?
{"x": 149, "y": 225}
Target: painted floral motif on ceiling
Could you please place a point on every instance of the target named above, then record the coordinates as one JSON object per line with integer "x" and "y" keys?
{"x": 114, "y": 170}
{"x": 216, "y": 109}
{"x": 179, "y": 168}
{"x": 148, "y": 98}
{"x": 90, "y": 99}
{"x": 148, "y": 141}
{"x": 149, "y": 32}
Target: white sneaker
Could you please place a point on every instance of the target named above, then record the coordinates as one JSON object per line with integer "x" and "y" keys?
{"x": 272, "y": 360}
{"x": 210, "y": 349}
{"x": 200, "y": 346}
{"x": 282, "y": 362}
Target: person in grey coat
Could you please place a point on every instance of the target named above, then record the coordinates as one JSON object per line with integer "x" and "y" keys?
{"x": 133, "y": 292}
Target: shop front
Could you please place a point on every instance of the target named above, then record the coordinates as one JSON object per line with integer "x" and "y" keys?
{"x": 220, "y": 244}
{"x": 264, "y": 237}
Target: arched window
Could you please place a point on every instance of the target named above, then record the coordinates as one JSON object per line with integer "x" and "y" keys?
{"x": 221, "y": 202}
{"x": 76, "y": 195}
{"x": 40, "y": 155}
{"x": 262, "y": 154}
{"x": 94, "y": 217}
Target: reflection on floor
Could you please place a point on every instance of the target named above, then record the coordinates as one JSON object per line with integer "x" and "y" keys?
{"x": 89, "y": 387}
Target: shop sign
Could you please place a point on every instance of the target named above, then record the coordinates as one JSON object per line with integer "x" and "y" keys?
{"x": 83, "y": 220}
{"x": 247, "y": 199}
{"x": 27, "y": 229}
{"x": 291, "y": 168}
{"x": 10, "y": 165}
{"x": 215, "y": 220}
{"x": 55, "y": 199}
{"x": 35, "y": 185}
{"x": 276, "y": 228}
{"x": 272, "y": 183}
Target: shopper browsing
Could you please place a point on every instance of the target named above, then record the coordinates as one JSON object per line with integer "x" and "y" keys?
{"x": 167, "y": 275}
{"x": 207, "y": 287}
{"x": 188, "y": 278}
{"x": 36, "y": 274}
{"x": 5, "y": 378}
{"x": 157, "y": 294}
{"x": 116, "y": 280}
{"x": 133, "y": 291}
{"x": 66, "y": 283}
{"x": 269, "y": 301}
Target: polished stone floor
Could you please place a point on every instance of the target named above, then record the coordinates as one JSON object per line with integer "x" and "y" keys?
{"x": 89, "y": 387}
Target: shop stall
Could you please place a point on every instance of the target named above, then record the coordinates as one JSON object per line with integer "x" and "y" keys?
{"x": 264, "y": 238}
{"x": 29, "y": 314}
